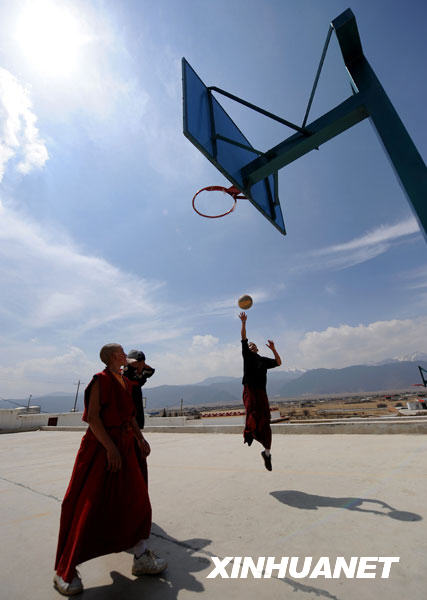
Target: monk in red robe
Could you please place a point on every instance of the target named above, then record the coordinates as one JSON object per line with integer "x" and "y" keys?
{"x": 106, "y": 507}
{"x": 257, "y": 423}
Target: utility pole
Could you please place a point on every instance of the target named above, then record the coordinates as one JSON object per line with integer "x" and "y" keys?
{"x": 29, "y": 400}
{"x": 77, "y": 393}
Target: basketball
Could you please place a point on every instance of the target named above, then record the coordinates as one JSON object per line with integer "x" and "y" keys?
{"x": 245, "y": 302}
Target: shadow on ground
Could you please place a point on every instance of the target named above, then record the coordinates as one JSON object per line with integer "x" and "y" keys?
{"x": 182, "y": 563}
{"x": 306, "y": 501}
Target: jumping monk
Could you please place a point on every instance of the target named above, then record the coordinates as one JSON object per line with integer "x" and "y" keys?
{"x": 106, "y": 507}
{"x": 257, "y": 424}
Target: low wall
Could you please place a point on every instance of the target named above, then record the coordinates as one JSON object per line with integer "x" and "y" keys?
{"x": 15, "y": 420}
{"x": 418, "y": 426}
{"x": 169, "y": 421}
{"x": 226, "y": 419}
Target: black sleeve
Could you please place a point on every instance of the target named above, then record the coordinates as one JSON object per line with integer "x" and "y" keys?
{"x": 140, "y": 418}
{"x": 269, "y": 363}
{"x": 146, "y": 373}
{"x": 245, "y": 348}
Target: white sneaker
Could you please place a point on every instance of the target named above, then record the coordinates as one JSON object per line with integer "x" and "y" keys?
{"x": 148, "y": 564}
{"x": 68, "y": 589}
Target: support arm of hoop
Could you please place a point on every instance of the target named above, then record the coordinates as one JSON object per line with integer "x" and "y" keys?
{"x": 370, "y": 100}
{"x": 316, "y": 79}
{"x": 331, "y": 124}
{"x": 266, "y": 113}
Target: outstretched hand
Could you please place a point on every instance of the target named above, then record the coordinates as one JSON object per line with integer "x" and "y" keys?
{"x": 271, "y": 345}
{"x": 243, "y": 316}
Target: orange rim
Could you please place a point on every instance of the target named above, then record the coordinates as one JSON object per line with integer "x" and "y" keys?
{"x": 231, "y": 191}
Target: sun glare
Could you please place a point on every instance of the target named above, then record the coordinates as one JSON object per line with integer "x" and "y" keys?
{"x": 51, "y": 37}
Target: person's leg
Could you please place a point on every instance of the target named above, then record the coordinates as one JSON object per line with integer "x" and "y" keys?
{"x": 139, "y": 548}
{"x": 250, "y": 420}
{"x": 267, "y": 459}
{"x": 264, "y": 435}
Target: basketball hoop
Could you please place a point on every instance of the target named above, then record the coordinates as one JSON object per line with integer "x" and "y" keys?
{"x": 231, "y": 191}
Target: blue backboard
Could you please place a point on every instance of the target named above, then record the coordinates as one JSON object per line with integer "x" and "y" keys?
{"x": 206, "y": 124}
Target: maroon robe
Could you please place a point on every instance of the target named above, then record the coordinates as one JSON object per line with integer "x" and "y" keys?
{"x": 104, "y": 512}
{"x": 258, "y": 416}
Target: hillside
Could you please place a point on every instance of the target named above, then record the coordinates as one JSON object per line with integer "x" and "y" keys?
{"x": 284, "y": 384}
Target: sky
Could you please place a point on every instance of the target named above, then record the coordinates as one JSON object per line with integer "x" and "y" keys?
{"x": 98, "y": 239}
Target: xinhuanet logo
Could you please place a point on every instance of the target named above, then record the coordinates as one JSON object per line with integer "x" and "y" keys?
{"x": 355, "y": 567}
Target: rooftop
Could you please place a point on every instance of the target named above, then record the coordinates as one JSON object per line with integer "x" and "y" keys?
{"x": 328, "y": 495}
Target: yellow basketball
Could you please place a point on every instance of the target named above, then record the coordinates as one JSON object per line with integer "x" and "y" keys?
{"x": 245, "y": 302}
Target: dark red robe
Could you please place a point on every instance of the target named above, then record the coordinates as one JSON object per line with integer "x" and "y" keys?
{"x": 258, "y": 416}
{"x": 104, "y": 512}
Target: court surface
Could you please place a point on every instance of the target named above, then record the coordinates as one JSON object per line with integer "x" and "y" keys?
{"x": 328, "y": 495}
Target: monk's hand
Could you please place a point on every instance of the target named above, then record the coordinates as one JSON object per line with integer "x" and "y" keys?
{"x": 243, "y": 316}
{"x": 271, "y": 345}
{"x": 145, "y": 447}
{"x": 114, "y": 460}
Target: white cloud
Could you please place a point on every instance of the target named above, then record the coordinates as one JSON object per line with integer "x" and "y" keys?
{"x": 416, "y": 278}
{"x": 204, "y": 357}
{"x": 363, "y": 248}
{"x": 19, "y": 136}
{"x": 337, "y": 347}
{"x": 380, "y": 235}
{"x": 50, "y": 284}
{"x": 204, "y": 341}
{"x": 39, "y": 369}
{"x": 331, "y": 289}
{"x": 60, "y": 305}
{"x": 43, "y": 369}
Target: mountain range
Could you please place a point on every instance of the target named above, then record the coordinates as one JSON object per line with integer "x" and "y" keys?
{"x": 395, "y": 374}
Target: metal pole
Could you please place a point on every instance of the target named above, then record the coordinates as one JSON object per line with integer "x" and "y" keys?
{"x": 75, "y": 400}
{"x": 29, "y": 400}
{"x": 266, "y": 113}
{"x": 398, "y": 145}
{"x": 316, "y": 79}
{"x": 182, "y": 400}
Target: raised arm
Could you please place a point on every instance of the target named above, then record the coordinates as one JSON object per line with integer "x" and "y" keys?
{"x": 274, "y": 351}
{"x": 243, "y": 316}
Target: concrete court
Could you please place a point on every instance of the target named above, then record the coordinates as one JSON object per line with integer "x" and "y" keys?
{"x": 337, "y": 495}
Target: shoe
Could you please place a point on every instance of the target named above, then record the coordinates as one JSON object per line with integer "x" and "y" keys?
{"x": 68, "y": 589}
{"x": 148, "y": 564}
{"x": 267, "y": 461}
